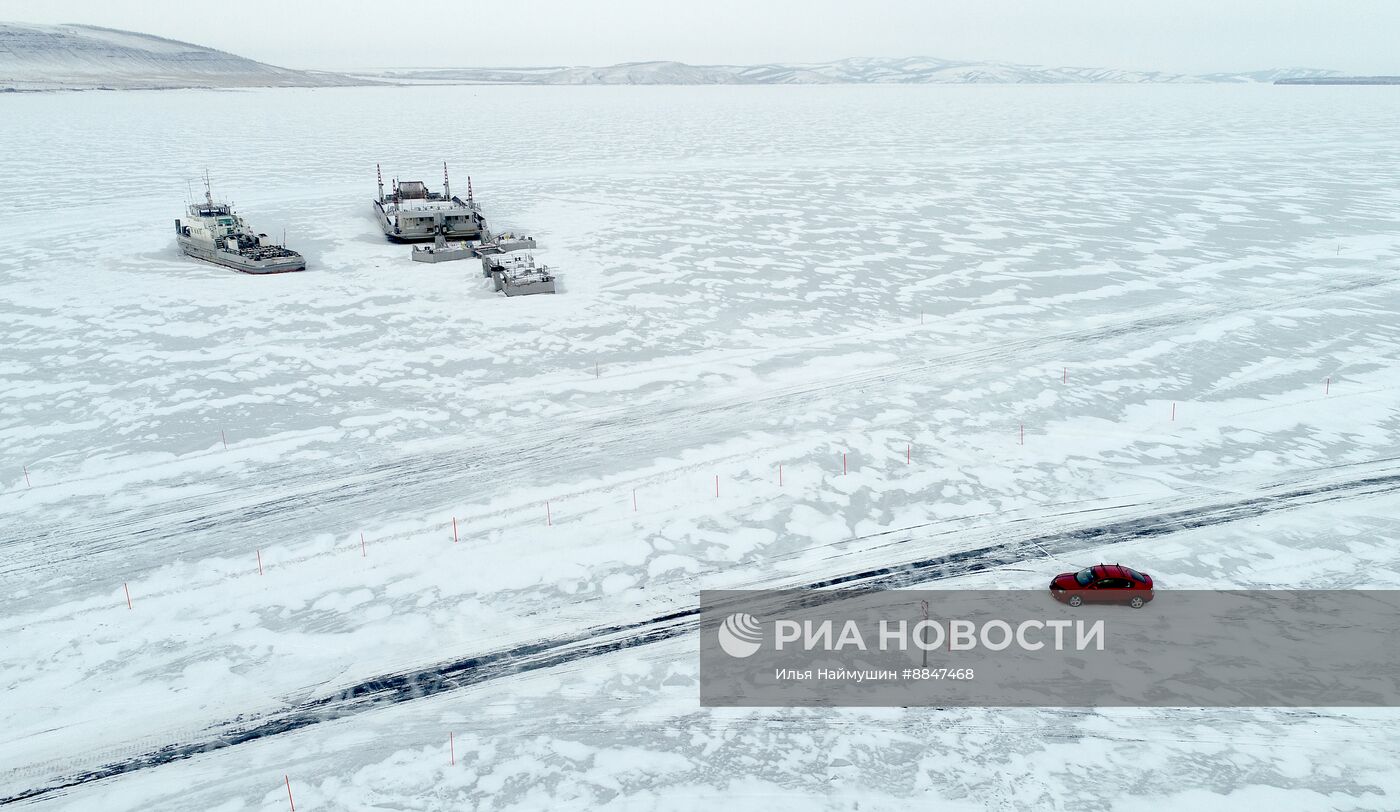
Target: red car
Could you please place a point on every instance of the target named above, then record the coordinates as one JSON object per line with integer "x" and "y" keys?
{"x": 1105, "y": 583}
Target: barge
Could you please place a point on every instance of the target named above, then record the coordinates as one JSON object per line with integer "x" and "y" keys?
{"x": 412, "y": 213}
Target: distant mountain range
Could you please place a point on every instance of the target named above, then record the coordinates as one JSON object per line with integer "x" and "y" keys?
{"x": 1341, "y": 80}
{"x": 868, "y": 70}
{"x": 84, "y": 57}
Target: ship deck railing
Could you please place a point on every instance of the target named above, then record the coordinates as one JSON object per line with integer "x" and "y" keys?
{"x": 455, "y": 204}
{"x": 529, "y": 277}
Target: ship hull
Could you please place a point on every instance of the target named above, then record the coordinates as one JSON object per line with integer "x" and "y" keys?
{"x": 424, "y": 232}
{"x": 239, "y": 263}
{"x": 423, "y": 254}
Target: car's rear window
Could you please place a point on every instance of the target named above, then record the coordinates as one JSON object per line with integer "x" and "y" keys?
{"x": 1135, "y": 575}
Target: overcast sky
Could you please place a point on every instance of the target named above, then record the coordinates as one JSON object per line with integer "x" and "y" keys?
{"x": 1190, "y": 36}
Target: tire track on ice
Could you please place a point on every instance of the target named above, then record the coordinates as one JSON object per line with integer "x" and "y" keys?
{"x": 390, "y": 689}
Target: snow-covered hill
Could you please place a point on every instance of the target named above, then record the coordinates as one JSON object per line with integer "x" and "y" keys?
{"x": 864, "y": 70}
{"x": 1275, "y": 75}
{"x": 82, "y": 57}
{"x": 645, "y": 73}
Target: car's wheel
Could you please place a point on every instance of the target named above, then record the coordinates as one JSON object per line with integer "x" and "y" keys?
{"x": 1136, "y": 602}
{"x": 1075, "y": 600}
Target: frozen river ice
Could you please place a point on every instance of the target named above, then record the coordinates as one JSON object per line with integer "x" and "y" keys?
{"x": 1179, "y": 296}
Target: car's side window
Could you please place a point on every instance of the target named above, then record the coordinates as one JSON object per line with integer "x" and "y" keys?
{"x": 1114, "y": 583}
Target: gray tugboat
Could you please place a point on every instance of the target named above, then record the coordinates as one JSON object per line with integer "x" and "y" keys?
{"x": 215, "y": 234}
{"x": 411, "y": 213}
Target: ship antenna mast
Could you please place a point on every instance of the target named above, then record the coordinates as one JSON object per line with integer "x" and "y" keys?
{"x": 208, "y": 195}
{"x": 446, "y": 189}
{"x": 469, "y": 188}
{"x": 379, "y": 176}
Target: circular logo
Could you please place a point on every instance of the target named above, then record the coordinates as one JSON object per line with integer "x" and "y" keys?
{"x": 740, "y": 635}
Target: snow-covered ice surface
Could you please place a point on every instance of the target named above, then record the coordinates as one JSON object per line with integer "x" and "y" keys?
{"x": 1186, "y": 295}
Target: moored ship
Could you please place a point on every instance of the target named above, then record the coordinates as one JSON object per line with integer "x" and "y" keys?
{"x": 214, "y": 233}
{"x": 411, "y": 213}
